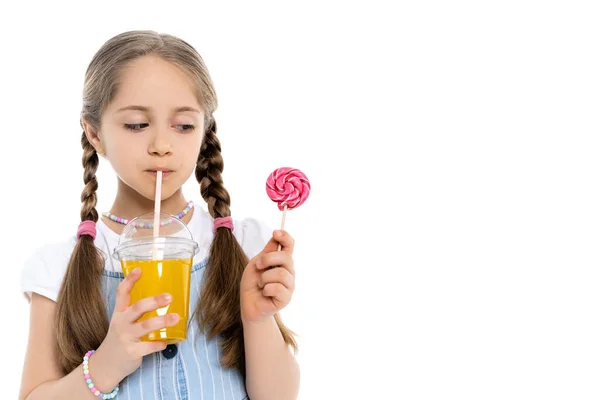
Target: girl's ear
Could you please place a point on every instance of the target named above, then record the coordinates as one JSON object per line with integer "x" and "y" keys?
{"x": 93, "y": 137}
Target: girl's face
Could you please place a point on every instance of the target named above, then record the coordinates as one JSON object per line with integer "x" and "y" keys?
{"x": 154, "y": 123}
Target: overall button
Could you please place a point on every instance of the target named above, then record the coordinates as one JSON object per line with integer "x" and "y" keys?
{"x": 170, "y": 351}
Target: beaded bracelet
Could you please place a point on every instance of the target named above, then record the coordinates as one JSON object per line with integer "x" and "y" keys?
{"x": 88, "y": 379}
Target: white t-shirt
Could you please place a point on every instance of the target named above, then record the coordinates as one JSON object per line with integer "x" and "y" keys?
{"x": 44, "y": 271}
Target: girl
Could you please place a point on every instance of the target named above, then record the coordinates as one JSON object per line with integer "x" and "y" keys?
{"x": 148, "y": 104}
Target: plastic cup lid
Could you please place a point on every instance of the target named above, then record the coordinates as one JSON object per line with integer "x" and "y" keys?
{"x": 141, "y": 230}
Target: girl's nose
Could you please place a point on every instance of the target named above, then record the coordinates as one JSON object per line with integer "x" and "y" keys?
{"x": 160, "y": 143}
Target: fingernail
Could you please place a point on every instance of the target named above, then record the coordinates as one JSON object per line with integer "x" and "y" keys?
{"x": 136, "y": 270}
{"x": 278, "y": 233}
{"x": 175, "y": 317}
{"x": 167, "y": 297}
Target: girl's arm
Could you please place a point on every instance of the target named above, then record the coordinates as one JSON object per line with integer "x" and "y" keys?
{"x": 272, "y": 371}
{"x": 42, "y": 378}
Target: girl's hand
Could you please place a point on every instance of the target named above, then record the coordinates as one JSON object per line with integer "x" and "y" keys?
{"x": 122, "y": 348}
{"x": 268, "y": 280}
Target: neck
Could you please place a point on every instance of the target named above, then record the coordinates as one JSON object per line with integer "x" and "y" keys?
{"x": 130, "y": 204}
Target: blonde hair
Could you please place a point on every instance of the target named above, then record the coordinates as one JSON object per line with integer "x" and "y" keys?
{"x": 81, "y": 319}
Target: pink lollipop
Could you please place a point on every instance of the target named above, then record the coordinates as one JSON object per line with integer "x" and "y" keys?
{"x": 289, "y": 188}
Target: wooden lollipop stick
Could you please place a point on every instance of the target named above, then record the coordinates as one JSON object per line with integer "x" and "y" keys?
{"x": 282, "y": 224}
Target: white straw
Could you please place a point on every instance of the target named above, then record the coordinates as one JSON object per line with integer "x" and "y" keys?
{"x": 157, "y": 199}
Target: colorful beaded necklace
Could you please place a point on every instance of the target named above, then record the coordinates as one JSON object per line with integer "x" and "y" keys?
{"x": 150, "y": 225}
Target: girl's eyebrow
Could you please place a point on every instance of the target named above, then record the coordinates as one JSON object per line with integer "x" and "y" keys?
{"x": 147, "y": 109}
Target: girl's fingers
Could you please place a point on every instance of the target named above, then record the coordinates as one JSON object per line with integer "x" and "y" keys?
{"x": 152, "y": 324}
{"x": 151, "y": 347}
{"x": 276, "y": 259}
{"x": 280, "y": 237}
{"x": 276, "y": 275}
{"x": 285, "y": 239}
{"x": 145, "y": 305}
{"x": 279, "y": 293}
{"x": 123, "y": 296}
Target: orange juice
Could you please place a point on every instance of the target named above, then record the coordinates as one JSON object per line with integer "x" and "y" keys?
{"x": 163, "y": 276}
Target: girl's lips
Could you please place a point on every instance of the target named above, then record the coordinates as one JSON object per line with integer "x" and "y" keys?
{"x": 164, "y": 174}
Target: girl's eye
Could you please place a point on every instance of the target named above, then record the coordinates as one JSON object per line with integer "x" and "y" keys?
{"x": 134, "y": 127}
{"x": 190, "y": 128}
{"x": 138, "y": 127}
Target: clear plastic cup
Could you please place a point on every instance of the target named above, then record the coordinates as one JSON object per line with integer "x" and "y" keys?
{"x": 166, "y": 265}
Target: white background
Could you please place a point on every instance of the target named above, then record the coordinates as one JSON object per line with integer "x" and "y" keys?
{"x": 449, "y": 248}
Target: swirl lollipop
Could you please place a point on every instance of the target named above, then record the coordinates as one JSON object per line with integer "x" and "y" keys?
{"x": 289, "y": 188}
